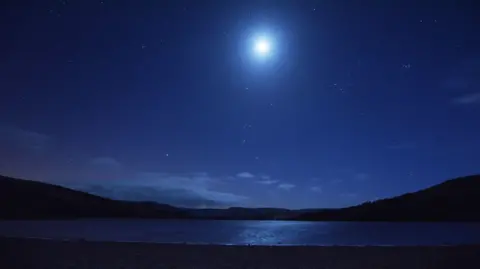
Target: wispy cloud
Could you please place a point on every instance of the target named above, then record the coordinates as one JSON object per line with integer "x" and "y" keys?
{"x": 267, "y": 181}
{"x": 245, "y": 175}
{"x": 23, "y": 138}
{"x": 316, "y": 189}
{"x": 187, "y": 190}
{"x": 286, "y": 186}
{"x": 106, "y": 162}
{"x": 467, "y": 99}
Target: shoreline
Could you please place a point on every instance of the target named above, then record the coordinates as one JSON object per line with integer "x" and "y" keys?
{"x": 83, "y": 240}
{"x": 51, "y": 253}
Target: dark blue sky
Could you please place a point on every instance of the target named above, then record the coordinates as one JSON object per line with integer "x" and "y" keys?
{"x": 167, "y": 100}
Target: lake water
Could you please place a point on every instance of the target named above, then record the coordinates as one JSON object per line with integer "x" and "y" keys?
{"x": 249, "y": 232}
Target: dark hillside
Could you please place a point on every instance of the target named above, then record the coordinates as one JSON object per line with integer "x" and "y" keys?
{"x": 24, "y": 199}
{"x": 453, "y": 200}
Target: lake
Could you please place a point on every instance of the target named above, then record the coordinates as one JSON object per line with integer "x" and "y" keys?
{"x": 249, "y": 232}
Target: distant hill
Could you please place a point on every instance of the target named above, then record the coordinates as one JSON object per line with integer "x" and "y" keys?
{"x": 453, "y": 200}
{"x": 243, "y": 213}
{"x": 246, "y": 213}
{"x": 25, "y": 199}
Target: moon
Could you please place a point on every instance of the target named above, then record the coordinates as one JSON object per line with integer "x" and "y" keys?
{"x": 262, "y": 47}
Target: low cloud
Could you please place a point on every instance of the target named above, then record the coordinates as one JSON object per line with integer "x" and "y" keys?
{"x": 106, "y": 162}
{"x": 316, "y": 189}
{"x": 245, "y": 175}
{"x": 286, "y": 186}
{"x": 175, "y": 197}
{"x": 196, "y": 190}
{"x": 267, "y": 181}
{"x": 27, "y": 139}
{"x": 467, "y": 99}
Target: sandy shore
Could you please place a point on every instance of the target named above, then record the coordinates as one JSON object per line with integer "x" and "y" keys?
{"x": 36, "y": 253}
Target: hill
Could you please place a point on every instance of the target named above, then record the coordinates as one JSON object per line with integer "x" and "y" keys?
{"x": 25, "y": 199}
{"x": 453, "y": 200}
{"x": 243, "y": 213}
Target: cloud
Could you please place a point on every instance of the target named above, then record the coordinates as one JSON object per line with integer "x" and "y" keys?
{"x": 196, "y": 190}
{"x": 316, "y": 189}
{"x": 23, "y": 138}
{"x": 106, "y": 162}
{"x": 176, "y": 197}
{"x": 267, "y": 181}
{"x": 245, "y": 175}
{"x": 467, "y": 99}
{"x": 265, "y": 177}
{"x": 362, "y": 176}
{"x": 286, "y": 186}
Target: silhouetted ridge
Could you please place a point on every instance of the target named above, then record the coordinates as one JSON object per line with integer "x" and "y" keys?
{"x": 453, "y": 200}
{"x": 25, "y": 199}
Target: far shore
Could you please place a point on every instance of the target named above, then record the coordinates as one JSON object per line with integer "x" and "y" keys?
{"x": 40, "y": 253}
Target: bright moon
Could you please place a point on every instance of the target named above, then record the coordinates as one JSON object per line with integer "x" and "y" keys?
{"x": 262, "y": 47}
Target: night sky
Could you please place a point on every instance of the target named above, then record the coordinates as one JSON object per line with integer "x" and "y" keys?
{"x": 177, "y": 102}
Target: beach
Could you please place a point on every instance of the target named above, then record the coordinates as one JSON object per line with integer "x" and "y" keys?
{"x": 40, "y": 253}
